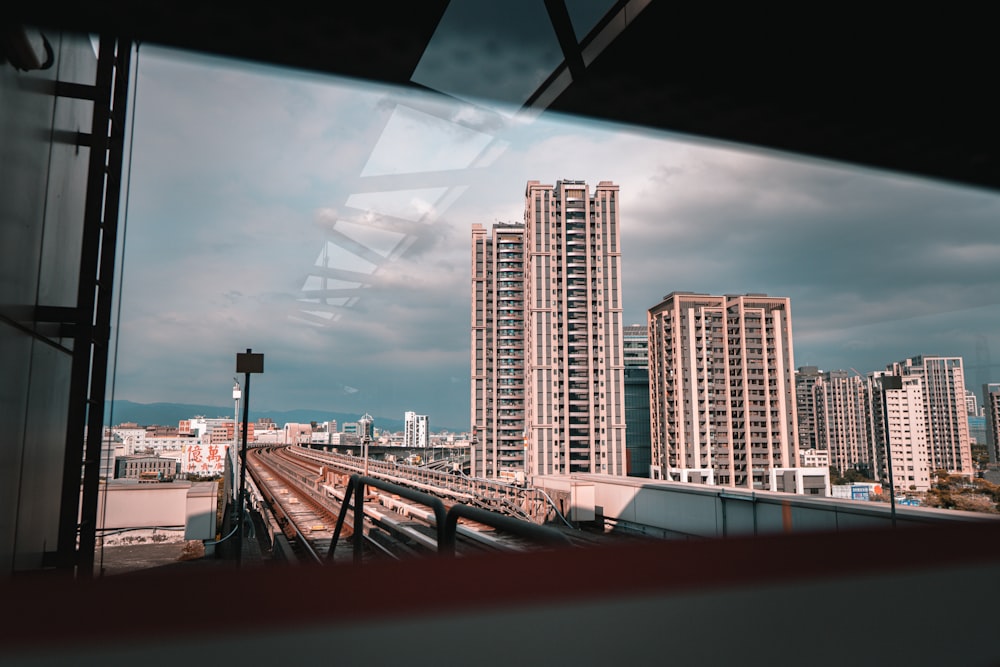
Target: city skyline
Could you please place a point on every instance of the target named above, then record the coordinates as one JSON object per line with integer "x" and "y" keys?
{"x": 236, "y": 187}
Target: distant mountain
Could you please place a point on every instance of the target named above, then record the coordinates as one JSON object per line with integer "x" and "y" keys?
{"x": 168, "y": 414}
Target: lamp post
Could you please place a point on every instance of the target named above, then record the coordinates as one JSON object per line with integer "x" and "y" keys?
{"x": 888, "y": 383}
{"x": 365, "y": 424}
{"x": 233, "y": 453}
{"x": 246, "y": 363}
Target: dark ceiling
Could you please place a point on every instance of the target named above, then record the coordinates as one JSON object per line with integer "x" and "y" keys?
{"x": 912, "y": 93}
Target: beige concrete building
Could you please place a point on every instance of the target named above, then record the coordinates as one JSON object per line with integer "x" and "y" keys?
{"x": 899, "y": 418}
{"x": 991, "y": 409}
{"x": 943, "y": 384}
{"x": 832, "y": 416}
{"x": 547, "y": 369}
{"x": 722, "y": 389}
{"x": 497, "y": 350}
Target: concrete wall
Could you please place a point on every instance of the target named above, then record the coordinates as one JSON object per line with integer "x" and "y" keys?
{"x": 673, "y": 509}
{"x": 172, "y": 511}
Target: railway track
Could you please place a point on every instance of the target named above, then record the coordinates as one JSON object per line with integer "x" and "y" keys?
{"x": 303, "y": 517}
{"x": 307, "y": 494}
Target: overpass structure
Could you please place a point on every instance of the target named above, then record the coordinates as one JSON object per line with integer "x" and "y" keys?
{"x": 660, "y": 509}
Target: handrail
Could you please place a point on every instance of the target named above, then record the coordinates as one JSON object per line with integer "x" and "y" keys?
{"x": 541, "y": 534}
{"x": 446, "y": 523}
{"x": 357, "y": 484}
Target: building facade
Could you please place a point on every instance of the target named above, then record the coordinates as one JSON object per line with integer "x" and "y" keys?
{"x": 832, "y": 417}
{"x": 416, "y": 431}
{"x": 806, "y": 378}
{"x": 722, "y": 389}
{"x": 497, "y": 400}
{"x": 636, "y": 358}
{"x": 548, "y": 391}
{"x": 943, "y": 385}
{"x": 991, "y": 409}
{"x": 899, "y": 430}
{"x": 139, "y": 467}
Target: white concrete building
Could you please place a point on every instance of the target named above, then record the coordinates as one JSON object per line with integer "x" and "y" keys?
{"x": 416, "y": 430}
{"x": 133, "y": 438}
{"x": 943, "y": 386}
{"x": 900, "y": 419}
{"x": 814, "y": 458}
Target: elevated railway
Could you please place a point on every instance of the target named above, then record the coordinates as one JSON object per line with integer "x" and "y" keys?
{"x": 304, "y": 496}
{"x": 526, "y": 503}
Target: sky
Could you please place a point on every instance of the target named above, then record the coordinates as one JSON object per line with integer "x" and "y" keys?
{"x": 327, "y": 223}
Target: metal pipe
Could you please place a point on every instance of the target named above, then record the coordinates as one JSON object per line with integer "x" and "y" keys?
{"x": 539, "y": 534}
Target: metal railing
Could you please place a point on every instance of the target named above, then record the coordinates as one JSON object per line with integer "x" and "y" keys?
{"x": 446, "y": 523}
{"x": 356, "y": 485}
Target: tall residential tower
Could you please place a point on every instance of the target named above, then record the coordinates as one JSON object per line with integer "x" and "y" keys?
{"x": 943, "y": 384}
{"x": 991, "y": 406}
{"x": 833, "y": 417}
{"x": 722, "y": 390}
{"x": 497, "y": 350}
{"x": 547, "y": 369}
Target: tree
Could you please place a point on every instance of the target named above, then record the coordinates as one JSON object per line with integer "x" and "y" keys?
{"x": 980, "y": 455}
{"x": 955, "y": 492}
{"x": 852, "y": 476}
{"x": 975, "y": 503}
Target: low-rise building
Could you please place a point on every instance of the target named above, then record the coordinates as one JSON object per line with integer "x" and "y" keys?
{"x": 146, "y": 468}
{"x": 814, "y": 458}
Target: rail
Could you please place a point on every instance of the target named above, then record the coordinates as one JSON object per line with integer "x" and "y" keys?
{"x": 531, "y": 531}
{"x": 356, "y": 485}
{"x": 527, "y": 503}
{"x": 446, "y": 523}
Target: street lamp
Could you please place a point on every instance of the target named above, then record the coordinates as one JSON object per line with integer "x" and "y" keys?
{"x": 246, "y": 363}
{"x": 889, "y": 383}
{"x": 233, "y": 453}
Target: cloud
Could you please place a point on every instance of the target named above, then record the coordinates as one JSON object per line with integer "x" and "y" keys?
{"x": 242, "y": 176}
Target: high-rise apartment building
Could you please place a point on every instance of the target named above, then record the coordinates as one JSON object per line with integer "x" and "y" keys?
{"x": 547, "y": 368}
{"x": 636, "y": 358}
{"x": 635, "y": 352}
{"x": 722, "y": 389}
{"x": 898, "y": 418}
{"x": 971, "y": 403}
{"x": 415, "y": 430}
{"x": 991, "y": 407}
{"x": 806, "y": 378}
{"x": 943, "y": 383}
{"x": 498, "y": 441}
{"x": 832, "y": 416}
